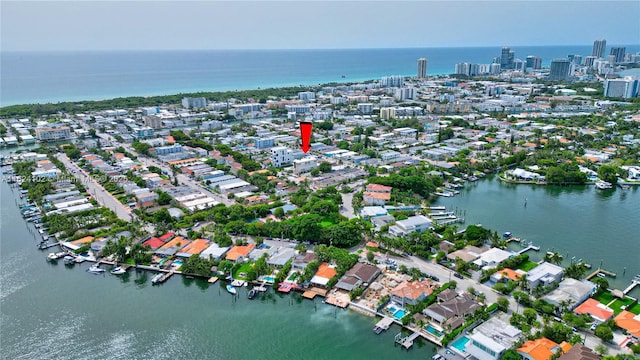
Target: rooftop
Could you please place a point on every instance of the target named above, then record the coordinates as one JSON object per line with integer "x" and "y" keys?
{"x": 543, "y": 348}
{"x": 594, "y": 308}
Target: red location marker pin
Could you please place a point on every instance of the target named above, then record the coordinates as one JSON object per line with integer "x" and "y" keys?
{"x": 305, "y": 133}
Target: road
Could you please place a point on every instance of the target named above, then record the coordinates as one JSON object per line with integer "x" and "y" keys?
{"x": 103, "y": 197}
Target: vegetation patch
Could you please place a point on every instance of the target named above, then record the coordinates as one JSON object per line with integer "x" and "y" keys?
{"x": 527, "y": 265}
{"x": 635, "y": 309}
{"x": 604, "y": 298}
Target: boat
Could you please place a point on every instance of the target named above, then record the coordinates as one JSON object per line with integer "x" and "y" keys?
{"x": 95, "y": 269}
{"x": 56, "y": 256}
{"x": 237, "y": 283}
{"x": 603, "y": 185}
{"x": 232, "y": 290}
{"x": 378, "y": 330}
{"x": 118, "y": 270}
{"x": 252, "y": 294}
{"x": 69, "y": 260}
{"x": 156, "y": 279}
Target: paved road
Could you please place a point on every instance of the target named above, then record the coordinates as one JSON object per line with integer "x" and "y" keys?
{"x": 103, "y": 197}
{"x": 347, "y": 208}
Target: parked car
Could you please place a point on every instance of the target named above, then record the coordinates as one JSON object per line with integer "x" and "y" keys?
{"x": 458, "y": 276}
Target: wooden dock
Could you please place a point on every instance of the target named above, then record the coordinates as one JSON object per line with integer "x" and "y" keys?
{"x": 406, "y": 341}
{"x": 309, "y": 294}
{"x": 599, "y": 270}
{"x": 212, "y": 280}
{"x": 47, "y": 246}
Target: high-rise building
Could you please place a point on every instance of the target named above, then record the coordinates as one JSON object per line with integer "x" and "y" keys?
{"x": 621, "y": 88}
{"x": 576, "y": 59}
{"x": 392, "y": 81}
{"x": 618, "y": 52}
{"x": 534, "y": 62}
{"x": 598, "y": 48}
{"x": 194, "y": 103}
{"x": 560, "y": 69}
{"x": 422, "y": 68}
{"x": 506, "y": 58}
{"x": 588, "y": 60}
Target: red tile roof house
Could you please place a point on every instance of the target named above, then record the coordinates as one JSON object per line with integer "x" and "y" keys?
{"x": 594, "y": 308}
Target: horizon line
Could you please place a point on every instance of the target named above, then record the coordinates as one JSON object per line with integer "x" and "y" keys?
{"x": 293, "y": 49}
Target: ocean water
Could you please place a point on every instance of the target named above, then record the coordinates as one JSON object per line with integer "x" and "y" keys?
{"x": 37, "y": 77}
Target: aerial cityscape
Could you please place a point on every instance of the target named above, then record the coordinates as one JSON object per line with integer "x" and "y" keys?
{"x": 467, "y": 203}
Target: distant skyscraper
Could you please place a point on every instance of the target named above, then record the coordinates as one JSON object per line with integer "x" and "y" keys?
{"x": 534, "y": 62}
{"x": 422, "y": 68}
{"x": 559, "y": 69}
{"x": 506, "y": 58}
{"x": 598, "y": 48}
{"x": 588, "y": 60}
{"x": 618, "y": 52}
{"x": 623, "y": 88}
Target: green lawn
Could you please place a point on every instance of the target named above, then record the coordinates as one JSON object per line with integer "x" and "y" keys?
{"x": 635, "y": 309}
{"x": 242, "y": 269}
{"x": 527, "y": 266}
{"x": 326, "y": 223}
{"x": 604, "y": 298}
{"x": 616, "y": 306}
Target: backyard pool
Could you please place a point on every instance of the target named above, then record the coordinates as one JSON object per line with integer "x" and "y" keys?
{"x": 177, "y": 263}
{"x": 269, "y": 279}
{"x": 399, "y": 314}
{"x": 460, "y": 344}
{"x": 435, "y": 332}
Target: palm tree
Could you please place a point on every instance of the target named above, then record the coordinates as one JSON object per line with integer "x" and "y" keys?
{"x": 523, "y": 282}
{"x": 554, "y": 258}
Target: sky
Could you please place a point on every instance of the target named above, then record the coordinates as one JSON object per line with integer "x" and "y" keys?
{"x": 163, "y": 25}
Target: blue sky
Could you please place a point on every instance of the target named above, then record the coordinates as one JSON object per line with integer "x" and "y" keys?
{"x": 143, "y": 25}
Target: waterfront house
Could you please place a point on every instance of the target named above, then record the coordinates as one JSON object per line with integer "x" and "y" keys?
{"x": 359, "y": 275}
{"x": 492, "y": 257}
{"x": 544, "y": 274}
{"x": 417, "y": 223}
{"x": 541, "y": 349}
{"x": 595, "y": 309}
{"x": 505, "y": 275}
{"x": 173, "y": 246}
{"x": 154, "y": 243}
{"x": 194, "y": 248}
{"x": 572, "y": 291}
{"x": 411, "y": 292}
{"x": 467, "y": 254}
{"x": 492, "y": 338}
{"x": 630, "y": 322}
{"x": 239, "y": 253}
{"x": 214, "y": 251}
{"x": 301, "y": 261}
{"x": 449, "y": 315}
{"x": 325, "y": 273}
{"x": 280, "y": 257}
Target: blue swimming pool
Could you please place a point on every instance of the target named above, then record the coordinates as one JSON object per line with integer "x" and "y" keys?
{"x": 392, "y": 309}
{"x": 435, "y": 332}
{"x": 177, "y": 263}
{"x": 460, "y": 344}
{"x": 269, "y": 278}
{"x": 399, "y": 314}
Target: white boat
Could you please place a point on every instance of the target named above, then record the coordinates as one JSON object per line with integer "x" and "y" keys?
{"x": 156, "y": 278}
{"x": 95, "y": 269}
{"x": 232, "y": 290}
{"x": 118, "y": 271}
{"x": 237, "y": 283}
{"x": 603, "y": 185}
{"x": 56, "y": 256}
{"x": 69, "y": 260}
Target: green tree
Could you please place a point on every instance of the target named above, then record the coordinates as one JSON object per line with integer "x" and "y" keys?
{"x": 608, "y": 174}
{"x": 603, "y": 331}
{"x": 510, "y": 354}
{"x": 601, "y": 350}
{"x": 503, "y": 303}
{"x": 370, "y": 256}
{"x": 324, "y": 167}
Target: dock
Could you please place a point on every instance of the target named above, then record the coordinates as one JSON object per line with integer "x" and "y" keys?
{"x": 383, "y": 325}
{"x": 47, "y": 246}
{"x": 309, "y": 295}
{"x": 530, "y": 247}
{"x": 634, "y": 283}
{"x": 164, "y": 277}
{"x": 600, "y": 270}
{"x": 212, "y": 280}
{"x": 406, "y": 341}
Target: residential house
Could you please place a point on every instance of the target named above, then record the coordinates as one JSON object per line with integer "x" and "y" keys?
{"x": 492, "y": 338}
{"x": 239, "y": 253}
{"x": 544, "y": 274}
{"x": 301, "y": 261}
{"x": 358, "y": 275}
{"x": 579, "y": 352}
{"x": 630, "y": 322}
{"x": 571, "y": 292}
{"x": 595, "y": 309}
{"x": 417, "y": 223}
{"x": 450, "y": 314}
{"x": 541, "y": 349}
{"x": 411, "y": 292}
{"x": 323, "y": 275}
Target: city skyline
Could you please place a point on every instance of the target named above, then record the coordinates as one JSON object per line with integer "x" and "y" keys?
{"x": 169, "y": 25}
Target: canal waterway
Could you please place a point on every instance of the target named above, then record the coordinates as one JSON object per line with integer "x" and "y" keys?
{"x": 579, "y": 222}
{"x": 50, "y": 311}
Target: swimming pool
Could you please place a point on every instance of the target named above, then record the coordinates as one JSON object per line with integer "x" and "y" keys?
{"x": 177, "y": 263}
{"x": 460, "y": 344}
{"x": 430, "y": 329}
{"x": 392, "y": 309}
{"x": 269, "y": 278}
{"x": 399, "y": 314}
